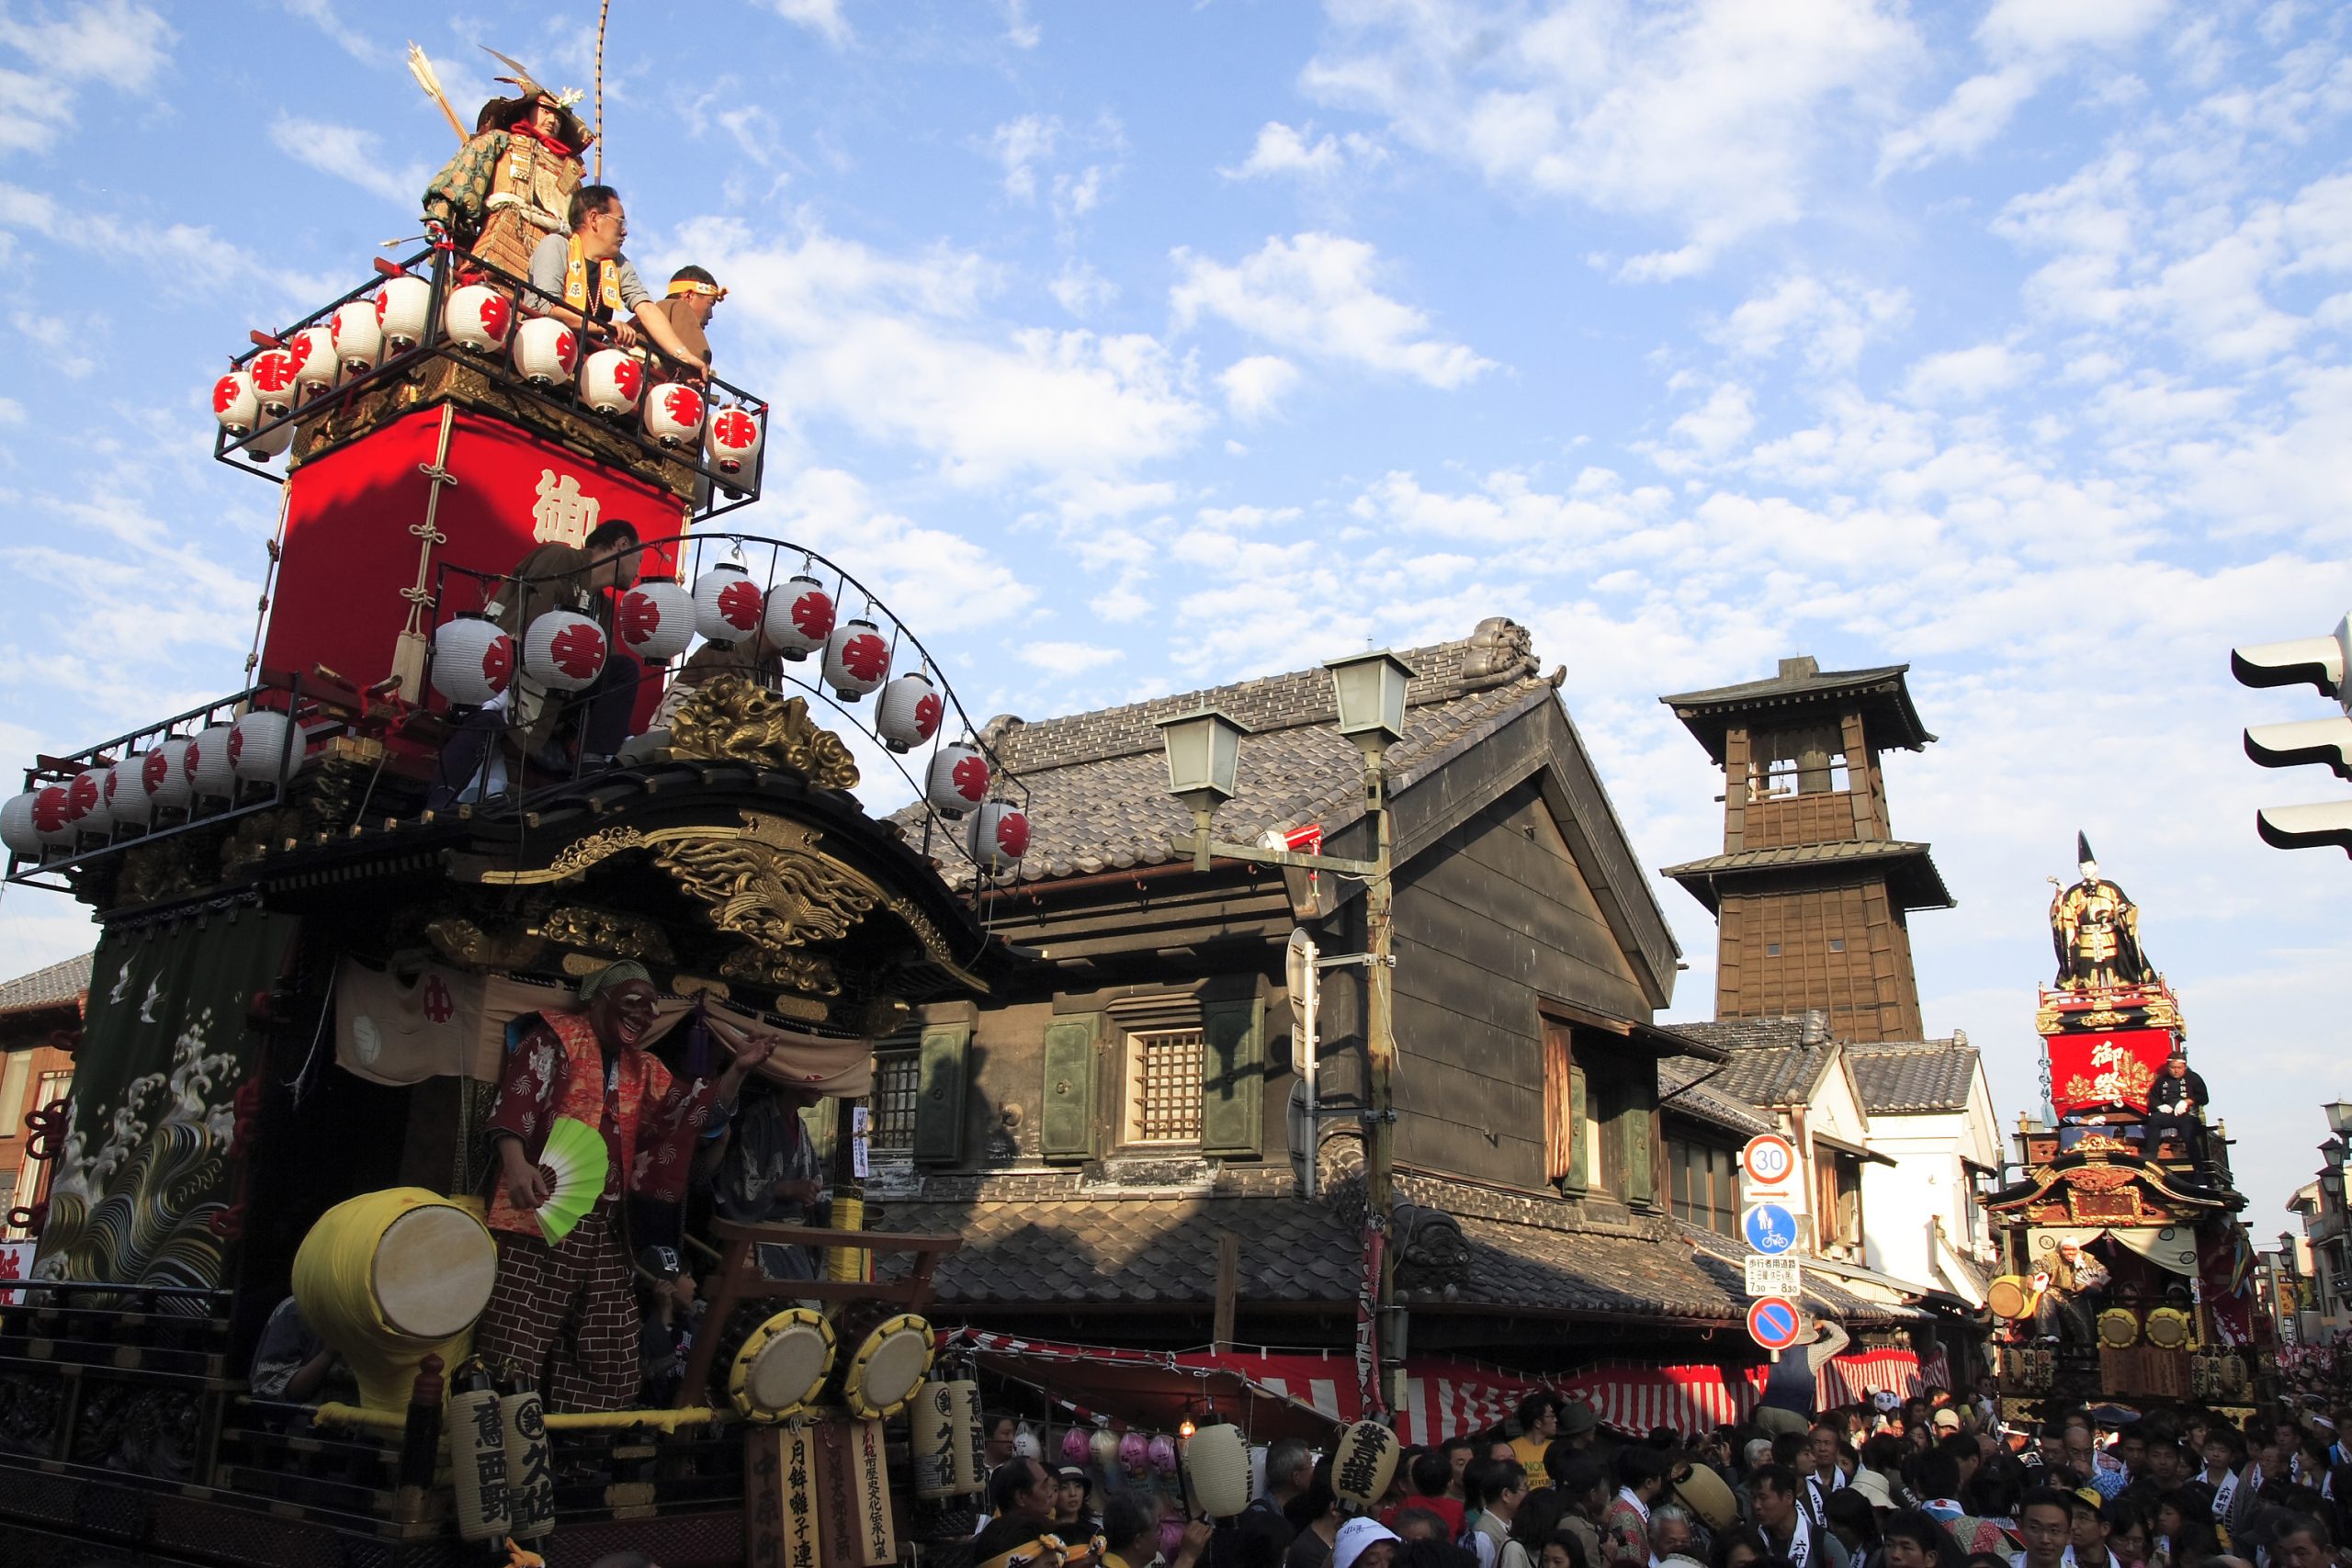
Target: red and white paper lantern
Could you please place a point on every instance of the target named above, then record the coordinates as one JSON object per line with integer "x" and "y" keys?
{"x": 998, "y": 835}
{"x": 726, "y": 604}
{"x": 477, "y": 317}
{"x": 857, "y": 659}
{"x": 85, "y": 801}
{"x": 545, "y": 352}
{"x": 800, "y": 616}
{"x": 236, "y": 402}
{"x": 261, "y": 742}
{"x": 472, "y": 661}
{"x": 563, "y": 652}
{"x": 53, "y": 817}
{"x": 273, "y": 373}
{"x": 126, "y": 792}
{"x": 17, "y": 828}
{"x": 673, "y": 415}
{"x": 315, "y": 367}
{"x": 908, "y": 714}
{"x": 358, "y": 338}
{"x": 734, "y": 441}
{"x": 403, "y": 306}
{"x": 611, "y": 380}
{"x": 656, "y": 620}
{"x": 261, "y": 448}
{"x": 164, "y": 772}
{"x": 958, "y": 779}
{"x": 208, "y": 764}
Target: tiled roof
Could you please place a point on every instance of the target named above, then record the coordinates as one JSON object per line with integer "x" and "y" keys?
{"x": 1879, "y": 692}
{"x": 1792, "y": 680}
{"x": 1913, "y": 1077}
{"x": 1697, "y": 1091}
{"x": 1769, "y": 1063}
{"x": 59, "y": 985}
{"x": 1916, "y": 881}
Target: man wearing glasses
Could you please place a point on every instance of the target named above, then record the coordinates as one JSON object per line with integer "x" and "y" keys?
{"x": 582, "y": 278}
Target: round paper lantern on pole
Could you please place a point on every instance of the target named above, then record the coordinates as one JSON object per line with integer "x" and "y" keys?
{"x": 958, "y": 779}
{"x": 273, "y": 373}
{"x": 563, "y": 652}
{"x": 611, "y": 380}
{"x": 17, "y": 829}
{"x": 126, "y": 792}
{"x": 799, "y": 617}
{"x": 208, "y": 765}
{"x": 908, "y": 712}
{"x": 1216, "y": 1461}
{"x": 673, "y": 415}
{"x": 358, "y": 338}
{"x": 1363, "y": 1462}
{"x": 998, "y": 835}
{"x": 314, "y": 362}
{"x": 477, "y": 317}
{"x": 472, "y": 661}
{"x": 236, "y": 402}
{"x": 403, "y": 306}
{"x": 726, "y": 604}
{"x": 856, "y": 659}
{"x": 545, "y": 352}
{"x": 261, "y": 743}
{"x": 734, "y": 441}
{"x": 85, "y": 801}
{"x": 656, "y": 620}
{"x": 164, "y": 773}
{"x": 53, "y": 820}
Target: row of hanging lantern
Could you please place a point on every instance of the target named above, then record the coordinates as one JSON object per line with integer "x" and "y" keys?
{"x": 611, "y": 382}
{"x": 179, "y": 774}
{"x": 474, "y": 661}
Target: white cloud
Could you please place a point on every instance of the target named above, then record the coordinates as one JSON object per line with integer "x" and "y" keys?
{"x": 1024, "y": 145}
{"x": 1255, "y": 385}
{"x": 1722, "y": 421}
{"x": 1228, "y": 518}
{"x": 933, "y": 580}
{"x": 1978, "y": 110}
{"x": 108, "y": 42}
{"x": 1968, "y": 375}
{"x": 1021, "y": 31}
{"x": 1019, "y": 145}
{"x": 184, "y": 258}
{"x": 1069, "y": 658}
{"x": 822, "y": 17}
{"x": 1281, "y": 151}
{"x": 347, "y": 153}
{"x": 1315, "y": 294}
{"x": 1832, "y": 323}
{"x": 1081, "y": 290}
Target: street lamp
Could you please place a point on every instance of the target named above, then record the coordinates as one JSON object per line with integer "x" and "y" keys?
{"x": 1204, "y": 760}
{"x": 2339, "y": 1118}
{"x": 2331, "y": 1187}
{"x": 1370, "y": 689}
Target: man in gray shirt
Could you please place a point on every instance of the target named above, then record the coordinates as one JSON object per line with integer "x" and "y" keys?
{"x": 582, "y": 279}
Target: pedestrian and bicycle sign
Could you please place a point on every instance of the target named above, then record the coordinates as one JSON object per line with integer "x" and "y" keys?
{"x": 1768, "y": 1229}
{"x": 1774, "y": 1323}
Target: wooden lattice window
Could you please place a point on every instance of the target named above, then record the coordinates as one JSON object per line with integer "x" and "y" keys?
{"x": 898, "y": 1081}
{"x": 1163, "y": 1086}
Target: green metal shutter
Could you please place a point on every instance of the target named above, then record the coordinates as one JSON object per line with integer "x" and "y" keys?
{"x": 1233, "y": 1078}
{"x": 938, "y": 1102}
{"x": 1066, "y": 1129}
{"x": 1641, "y": 1174}
{"x": 1579, "y": 1157}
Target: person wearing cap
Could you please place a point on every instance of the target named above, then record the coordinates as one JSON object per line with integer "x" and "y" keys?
{"x": 2089, "y": 1528}
{"x": 1945, "y": 1423}
{"x": 1072, "y": 1488}
{"x": 2177, "y": 1104}
{"x": 1364, "y": 1543}
{"x": 665, "y": 1332}
{"x": 563, "y": 1310}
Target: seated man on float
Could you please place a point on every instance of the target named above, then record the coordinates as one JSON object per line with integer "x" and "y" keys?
{"x": 583, "y": 279}
{"x": 2176, "y": 1110}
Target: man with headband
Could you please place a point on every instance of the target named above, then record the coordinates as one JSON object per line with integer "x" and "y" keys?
{"x": 692, "y": 295}
{"x": 565, "y": 1311}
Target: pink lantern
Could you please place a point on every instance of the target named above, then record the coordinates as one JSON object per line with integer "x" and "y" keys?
{"x": 998, "y": 836}
{"x": 856, "y": 659}
{"x": 314, "y": 362}
{"x": 273, "y": 373}
{"x": 734, "y": 441}
{"x": 163, "y": 771}
{"x": 563, "y": 652}
{"x": 726, "y": 604}
{"x": 611, "y": 380}
{"x": 52, "y": 818}
{"x": 656, "y": 620}
{"x": 1135, "y": 1450}
{"x": 958, "y": 779}
{"x": 1075, "y": 1446}
{"x": 545, "y": 352}
{"x": 236, "y": 402}
{"x": 800, "y": 616}
{"x": 358, "y": 338}
{"x": 403, "y": 306}
{"x": 908, "y": 712}
{"x": 477, "y": 317}
{"x": 673, "y": 415}
{"x": 1163, "y": 1454}
{"x": 17, "y": 829}
{"x": 126, "y": 792}
{"x": 472, "y": 661}
{"x": 207, "y": 763}
{"x": 259, "y": 745}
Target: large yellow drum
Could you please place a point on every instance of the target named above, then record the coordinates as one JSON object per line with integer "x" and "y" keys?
{"x": 389, "y": 1278}
{"x": 2011, "y": 1296}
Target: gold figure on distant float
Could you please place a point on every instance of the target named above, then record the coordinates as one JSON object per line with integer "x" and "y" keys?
{"x": 2095, "y": 927}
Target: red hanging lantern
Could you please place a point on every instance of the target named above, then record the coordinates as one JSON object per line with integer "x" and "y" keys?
{"x": 207, "y": 763}
{"x": 726, "y": 604}
{"x": 472, "y": 661}
{"x": 477, "y": 317}
{"x": 314, "y": 362}
{"x": 856, "y": 659}
{"x": 800, "y": 616}
{"x": 86, "y": 799}
{"x": 358, "y": 338}
{"x": 273, "y": 373}
{"x": 236, "y": 402}
{"x": 544, "y": 351}
{"x": 54, "y": 818}
{"x": 674, "y": 413}
{"x": 403, "y": 306}
{"x": 998, "y": 835}
{"x": 908, "y": 712}
{"x": 655, "y": 619}
{"x": 18, "y": 829}
{"x": 261, "y": 742}
{"x": 126, "y": 792}
{"x": 611, "y": 382}
{"x": 563, "y": 652}
{"x": 164, "y": 773}
{"x": 958, "y": 779}
{"x": 734, "y": 440}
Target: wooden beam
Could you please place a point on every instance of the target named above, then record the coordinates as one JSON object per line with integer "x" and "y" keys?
{"x": 1228, "y": 1280}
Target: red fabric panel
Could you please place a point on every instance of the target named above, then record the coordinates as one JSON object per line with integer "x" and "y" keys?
{"x": 2114, "y": 1068}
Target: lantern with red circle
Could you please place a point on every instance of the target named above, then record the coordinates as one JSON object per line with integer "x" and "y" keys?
{"x": 163, "y": 771}
{"x": 726, "y": 604}
{"x": 207, "y": 763}
{"x": 673, "y": 415}
{"x": 261, "y": 448}
{"x": 16, "y": 828}
{"x": 358, "y": 338}
{"x": 85, "y": 801}
{"x": 314, "y": 362}
{"x": 655, "y": 620}
{"x": 261, "y": 743}
{"x": 403, "y": 307}
{"x": 563, "y": 651}
{"x": 958, "y": 779}
{"x": 908, "y": 714}
{"x": 273, "y": 373}
{"x": 545, "y": 352}
{"x": 734, "y": 441}
{"x": 800, "y": 616}
{"x": 856, "y": 659}
{"x": 998, "y": 835}
{"x": 477, "y": 317}
{"x": 472, "y": 660}
{"x": 54, "y": 818}
{"x": 236, "y": 402}
{"x": 611, "y": 380}
{"x": 126, "y": 792}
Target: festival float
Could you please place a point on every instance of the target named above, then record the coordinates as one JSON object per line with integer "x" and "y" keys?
{"x": 2129, "y": 1278}
{"x": 339, "y": 902}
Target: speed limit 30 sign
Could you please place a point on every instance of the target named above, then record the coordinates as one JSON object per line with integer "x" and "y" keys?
{"x": 1769, "y": 1164}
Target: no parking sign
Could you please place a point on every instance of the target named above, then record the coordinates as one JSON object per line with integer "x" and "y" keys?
{"x": 1774, "y": 1323}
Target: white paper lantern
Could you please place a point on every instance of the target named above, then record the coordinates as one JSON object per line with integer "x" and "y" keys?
{"x": 908, "y": 714}
{"x": 236, "y": 402}
{"x": 52, "y": 819}
{"x": 799, "y": 617}
{"x": 563, "y": 652}
{"x": 358, "y": 338}
{"x": 403, "y": 306}
{"x": 734, "y": 440}
{"x": 1216, "y": 1461}
{"x": 611, "y": 380}
{"x": 856, "y": 659}
{"x": 477, "y": 317}
{"x": 126, "y": 792}
{"x": 85, "y": 801}
{"x": 208, "y": 764}
{"x": 269, "y": 442}
{"x": 273, "y": 373}
{"x": 314, "y": 362}
{"x": 164, "y": 772}
{"x": 998, "y": 835}
{"x": 673, "y": 415}
{"x": 656, "y": 620}
{"x": 261, "y": 743}
{"x": 726, "y": 604}
{"x": 545, "y": 352}
{"x": 1363, "y": 1462}
{"x": 472, "y": 661}
{"x": 958, "y": 779}
{"x": 17, "y": 830}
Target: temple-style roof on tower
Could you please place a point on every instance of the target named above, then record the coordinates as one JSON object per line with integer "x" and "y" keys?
{"x": 1909, "y": 868}
{"x": 1882, "y": 695}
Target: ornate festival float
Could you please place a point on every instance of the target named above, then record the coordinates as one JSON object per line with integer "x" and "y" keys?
{"x": 519, "y": 881}
{"x": 2128, "y": 1277}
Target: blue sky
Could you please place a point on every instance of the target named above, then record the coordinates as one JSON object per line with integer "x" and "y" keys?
{"x": 1137, "y": 347}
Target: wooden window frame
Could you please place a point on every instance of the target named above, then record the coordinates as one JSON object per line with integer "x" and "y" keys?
{"x": 896, "y": 1106}
{"x": 1190, "y": 1045}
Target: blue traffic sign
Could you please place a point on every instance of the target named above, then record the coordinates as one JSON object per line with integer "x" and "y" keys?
{"x": 1773, "y": 1322}
{"x": 1769, "y": 1228}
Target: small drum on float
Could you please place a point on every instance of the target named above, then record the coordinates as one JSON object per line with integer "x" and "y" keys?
{"x": 2118, "y": 1328}
{"x": 388, "y": 1278}
{"x": 888, "y": 1367}
{"x": 2169, "y": 1329}
{"x": 782, "y": 1366}
{"x": 2009, "y": 1296}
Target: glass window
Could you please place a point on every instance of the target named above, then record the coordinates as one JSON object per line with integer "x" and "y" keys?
{"x": 898, "y": 1078}
{"x": 1163, "y": 1092}
{"x": 1703, "y": 1185}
